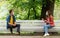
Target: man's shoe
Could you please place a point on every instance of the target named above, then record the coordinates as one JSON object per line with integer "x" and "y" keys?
{"x": 11, "y": 32}
{"x": 19, "y": 33}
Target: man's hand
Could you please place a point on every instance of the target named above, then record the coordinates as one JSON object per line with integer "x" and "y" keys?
{"x": 14, "y": 24}
{"x": 10, "y": 24}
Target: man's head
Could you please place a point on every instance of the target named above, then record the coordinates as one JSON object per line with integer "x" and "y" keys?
{"x": 11, "y": 12}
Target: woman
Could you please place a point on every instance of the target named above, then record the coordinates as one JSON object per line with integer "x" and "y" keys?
{"x": 49, "y": 24}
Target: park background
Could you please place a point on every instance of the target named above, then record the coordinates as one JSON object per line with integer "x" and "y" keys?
{"x": 29, "y": 9}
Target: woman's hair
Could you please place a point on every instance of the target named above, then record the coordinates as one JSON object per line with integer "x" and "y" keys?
{"x": 46, "y": 17}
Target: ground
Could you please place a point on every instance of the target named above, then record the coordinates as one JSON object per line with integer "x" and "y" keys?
{"x": 35, "y": 35}
{"x": 29, "y": 37}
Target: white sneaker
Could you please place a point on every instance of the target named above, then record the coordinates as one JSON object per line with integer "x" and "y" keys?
{"x": 46, "y": 34}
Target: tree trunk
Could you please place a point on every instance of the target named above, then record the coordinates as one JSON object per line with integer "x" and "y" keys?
{"x": 43, "y": 11}
{"x": 28, "y": 14}
{"x": 34, "y": 13}
{"x": 49, "y": 5}
{"x": 33, "y": 6}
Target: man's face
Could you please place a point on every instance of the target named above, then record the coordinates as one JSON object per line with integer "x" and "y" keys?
{"x": 12, "y": 12}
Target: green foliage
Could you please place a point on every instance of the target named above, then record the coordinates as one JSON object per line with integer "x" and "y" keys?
{"x": 22, "y": 7}
{"x": 26, "y": 9}
{"x": 57, "y": 10}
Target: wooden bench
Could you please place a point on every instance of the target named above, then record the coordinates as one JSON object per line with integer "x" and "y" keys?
{"x": 30, "y": 26}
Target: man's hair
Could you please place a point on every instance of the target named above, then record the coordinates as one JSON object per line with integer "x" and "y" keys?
{"x": 10, "y": 11}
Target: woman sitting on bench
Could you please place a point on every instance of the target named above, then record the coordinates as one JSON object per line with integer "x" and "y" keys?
{"x": 49, "y": 23}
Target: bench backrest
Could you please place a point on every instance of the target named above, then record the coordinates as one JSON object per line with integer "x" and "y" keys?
{"x": 29, "y": 22}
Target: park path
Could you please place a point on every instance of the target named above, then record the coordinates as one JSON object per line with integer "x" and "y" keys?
{"x": 29, "y": 37}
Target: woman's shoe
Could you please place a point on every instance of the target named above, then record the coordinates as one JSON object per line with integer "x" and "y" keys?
{"x": 46, "y": 34}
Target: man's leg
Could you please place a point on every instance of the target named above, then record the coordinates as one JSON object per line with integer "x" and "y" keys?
{"x": 18, "y": 28}
{"x": 11, "y": 29}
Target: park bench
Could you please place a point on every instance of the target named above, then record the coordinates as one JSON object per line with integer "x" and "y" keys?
{"x": 30, "y": 26}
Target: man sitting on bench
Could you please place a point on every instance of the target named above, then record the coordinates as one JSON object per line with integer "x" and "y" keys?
{"x": 11, "y": 22}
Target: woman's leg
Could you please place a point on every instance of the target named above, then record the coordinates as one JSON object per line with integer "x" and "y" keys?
{"x": 46, "y": 27}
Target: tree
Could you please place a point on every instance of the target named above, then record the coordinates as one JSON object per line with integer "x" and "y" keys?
{"x": 47, "y": 5}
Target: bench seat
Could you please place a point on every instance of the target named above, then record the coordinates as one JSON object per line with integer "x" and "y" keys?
{"x": 30, "y": 26}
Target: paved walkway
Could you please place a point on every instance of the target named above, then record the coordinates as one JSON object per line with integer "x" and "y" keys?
{"x": 29, "y": 37}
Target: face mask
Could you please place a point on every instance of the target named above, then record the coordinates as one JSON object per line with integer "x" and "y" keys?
{"x": 47, "y": 13}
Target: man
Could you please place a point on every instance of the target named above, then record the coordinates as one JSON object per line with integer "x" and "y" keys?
{"x": 11, "y": 22}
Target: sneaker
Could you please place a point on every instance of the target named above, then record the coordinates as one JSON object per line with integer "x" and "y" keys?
{"x": 18, "y": 33}
{"x": 11, "y": 32}
{"x": 46, "y": 34}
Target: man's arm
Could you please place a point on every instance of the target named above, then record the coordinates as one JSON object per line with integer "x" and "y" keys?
{"x": 8, "y": 20}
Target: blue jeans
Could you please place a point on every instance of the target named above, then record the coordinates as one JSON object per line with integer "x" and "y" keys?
{"x": 46, "y": 27}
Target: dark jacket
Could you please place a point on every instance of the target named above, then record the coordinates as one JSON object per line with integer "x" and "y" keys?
{"x": 8, "y": 20}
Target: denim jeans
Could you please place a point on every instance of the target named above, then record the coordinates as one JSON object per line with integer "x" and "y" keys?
{"x": 46, "y": 27}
